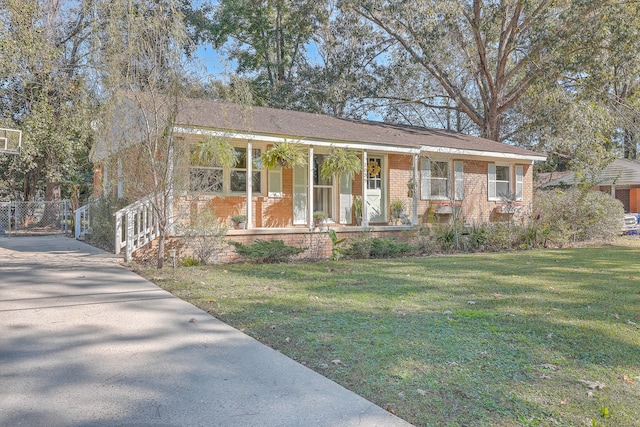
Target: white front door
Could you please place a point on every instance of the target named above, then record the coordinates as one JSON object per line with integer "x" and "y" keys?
{"x": 376, "y": 206}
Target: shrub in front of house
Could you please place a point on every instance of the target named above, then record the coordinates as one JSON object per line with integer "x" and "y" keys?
{"x": 576, "y": 215}
{"x": 266, "y": 251}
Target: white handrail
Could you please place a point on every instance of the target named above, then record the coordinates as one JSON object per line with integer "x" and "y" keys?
{"x": 83, "y": 221}
{"x": 136, "y": 225}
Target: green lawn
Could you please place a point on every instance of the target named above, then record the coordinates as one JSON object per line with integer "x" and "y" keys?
{"x": 546, "y": 337}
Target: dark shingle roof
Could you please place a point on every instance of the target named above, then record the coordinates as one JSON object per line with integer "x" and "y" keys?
{"x": 269, "y": 121}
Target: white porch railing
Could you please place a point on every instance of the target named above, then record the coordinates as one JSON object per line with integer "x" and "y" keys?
{"x": 83, "y": 220}
{"x": 136, "y": 225}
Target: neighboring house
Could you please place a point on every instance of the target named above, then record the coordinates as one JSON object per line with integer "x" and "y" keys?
{"x": 620, "y": 178}
{"x": 432, "y": 172}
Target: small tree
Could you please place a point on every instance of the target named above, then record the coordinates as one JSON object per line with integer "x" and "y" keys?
{"x": 205, "y": 235}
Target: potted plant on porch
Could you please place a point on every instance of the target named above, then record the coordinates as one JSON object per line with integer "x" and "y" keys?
{"x": 319, "y": 217}
{"x": 396, "y": 207}
{"x": 239, "y": 222}
{"x": 357, "y": 209}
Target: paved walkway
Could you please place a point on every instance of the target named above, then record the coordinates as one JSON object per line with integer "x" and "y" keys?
{"x": 85, "y": 342}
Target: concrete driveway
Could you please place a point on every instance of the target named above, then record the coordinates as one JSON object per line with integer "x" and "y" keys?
{"x": 85, "y": 342}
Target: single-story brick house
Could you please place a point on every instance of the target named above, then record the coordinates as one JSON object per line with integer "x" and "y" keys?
{"x": 620, "y": 178}
{"x": 433, "y": 173}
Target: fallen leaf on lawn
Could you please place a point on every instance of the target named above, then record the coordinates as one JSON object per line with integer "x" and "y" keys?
{"x": 637, "y": 316}
{"x": 497, "y": 295}
{"x": 550, "y": 366}
{"x": 337, "y": 362}
{"x": 401, "y": 395}
{"x": 627, "y": 379}
{"x": 202, "y": 283}
{"x": 273, "y": 326}
{"x": 471, "y": 302}
{"x": 452, "y": 363}
{"x": 590, "y": 393}
{"x": 544, "y": 377}
{"x": 323, "y": 366}
{"x": 617, "y": 316}
{"x": 594, "y": 385}
{"x": 564, "y": 401}
{"x": 391, "y": 411}
{"x": 422, "y": 392}
{"x": 549, "y": 336}
{"x": 287, "y": 339}
{"x": 448, "y": 313}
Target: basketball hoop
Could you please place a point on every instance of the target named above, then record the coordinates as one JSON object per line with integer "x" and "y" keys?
{"x": 10, "y": 141}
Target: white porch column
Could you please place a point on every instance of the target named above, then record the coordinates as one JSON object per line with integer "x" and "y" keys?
{"x": 415, "y": 189}
{"x": 365, "y": 176}
{"x": 249, "y": 184}
{"x": 310, "y": 191}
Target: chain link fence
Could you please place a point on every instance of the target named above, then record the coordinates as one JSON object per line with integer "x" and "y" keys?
{"x": 34, "y": 218}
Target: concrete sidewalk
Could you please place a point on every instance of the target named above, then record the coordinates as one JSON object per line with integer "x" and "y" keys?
{"x": 85, "y": 342}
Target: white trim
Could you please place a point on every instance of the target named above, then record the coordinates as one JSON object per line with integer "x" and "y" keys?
{"x": 279, "y": 139}
{"x": 358, "y": 145}
{"x": 461, "y": 152}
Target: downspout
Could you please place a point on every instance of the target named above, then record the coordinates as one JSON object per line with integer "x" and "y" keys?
{"x": 365, "y": 176}
{"x": 310, "y": 191}
{"x": 249, "y": 184}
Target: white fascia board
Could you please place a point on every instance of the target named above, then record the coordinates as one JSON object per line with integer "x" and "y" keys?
{"x": 278, "y": 139}
{"x": 477, "y": 153}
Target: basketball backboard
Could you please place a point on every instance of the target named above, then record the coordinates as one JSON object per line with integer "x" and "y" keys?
{"x": 10, "y": 141}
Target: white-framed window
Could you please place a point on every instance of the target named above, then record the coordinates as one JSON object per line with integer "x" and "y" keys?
{"x": 213, "y": 178}
{"x": 434, "y": 180}
{"x": 501, "y": 183}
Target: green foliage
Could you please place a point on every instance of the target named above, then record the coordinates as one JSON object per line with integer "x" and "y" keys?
{"x": 287, "y": 154}
{"x": 266, "y": 251}
{"x": 336, "y": 250}
{"x": 396, "y": 208}
{"x": 239, "y": 218}
{"x": 216, "y": 152}
{"x": 189, "y": 261}
{"x": 366, "y": 246}
{"x": 204, "y": 235}
{"x": 360, "y": 247}
{"x": 388, "y": 248}
{"x": 339, "y": 162}
{"x": 357, "y": 206}
{"x": 569, "y": 216}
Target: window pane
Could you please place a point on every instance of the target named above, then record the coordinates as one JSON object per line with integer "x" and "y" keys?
{"x": 207, "y": 180}
{"x": 502, "y": 189}
{"x": 439, "y": 169}
{"x": 256, "y": 182}
{"x": 238, "y": 181}
{"x": 439, "y": 187}
{"x": 241, "y": 156}
{"x": 502, "y": 173}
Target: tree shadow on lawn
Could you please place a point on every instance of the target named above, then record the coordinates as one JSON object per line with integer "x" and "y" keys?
{"x": 521, "y": 331}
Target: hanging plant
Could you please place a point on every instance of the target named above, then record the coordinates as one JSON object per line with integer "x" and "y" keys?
{"x": 340, "y": 161}
{"x": 373, "y": 168}
{"x": 287, "y": 154}
{"x": 215, "y": 152}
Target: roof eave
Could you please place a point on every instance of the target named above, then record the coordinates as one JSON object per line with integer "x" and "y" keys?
{"x": 483, "y": 153}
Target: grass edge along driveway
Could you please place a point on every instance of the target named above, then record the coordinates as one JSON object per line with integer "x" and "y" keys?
{"x": 546, "y": 337}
